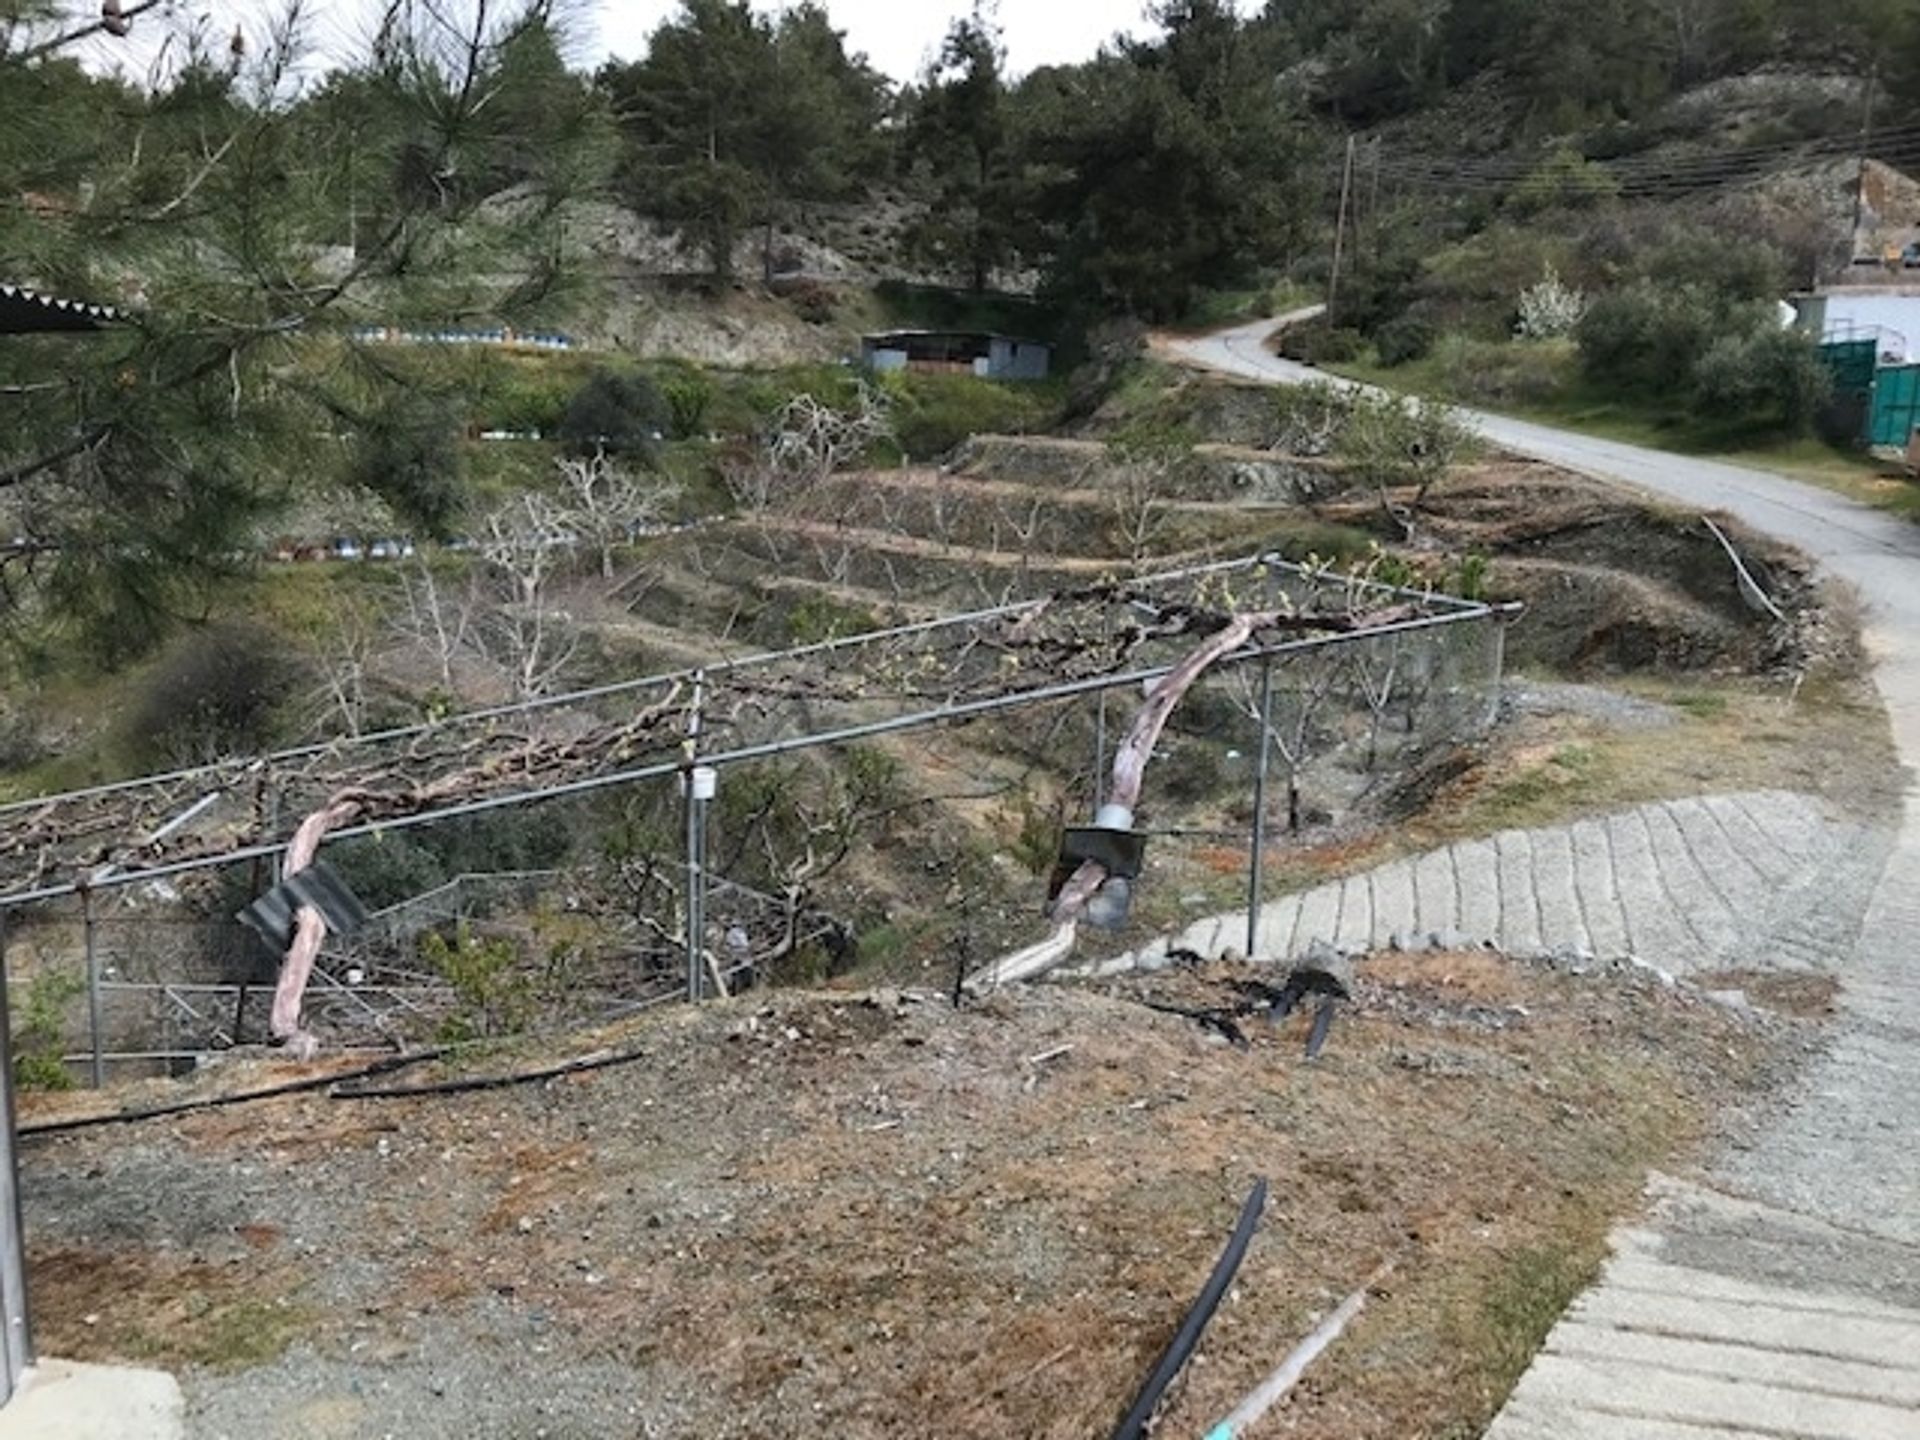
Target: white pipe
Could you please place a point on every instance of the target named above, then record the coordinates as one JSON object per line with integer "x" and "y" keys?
{"x": 1278, "y": 1384}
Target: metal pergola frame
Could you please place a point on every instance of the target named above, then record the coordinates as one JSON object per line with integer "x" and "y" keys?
{"x": 1447, "y": 612}
{"x": 125, "y": 874}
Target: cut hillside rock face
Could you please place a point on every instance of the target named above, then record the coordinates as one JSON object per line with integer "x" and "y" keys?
{"x": 1219, "y": 472}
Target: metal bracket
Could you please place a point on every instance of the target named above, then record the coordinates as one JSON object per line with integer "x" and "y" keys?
{"x": 1123, "y": 853}
{"x": 271, "y": 916}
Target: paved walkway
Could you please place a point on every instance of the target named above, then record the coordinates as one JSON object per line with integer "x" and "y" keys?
{"x": 1768, "y": 880}
{"x": 1778, "y": 1298}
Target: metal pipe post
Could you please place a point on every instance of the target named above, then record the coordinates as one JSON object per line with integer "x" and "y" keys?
{"x": 1257, "y": 866}
{"x": 695, "y": 848}
{"x": 93, "y": 988}
{"x": 1100, "y": 753}
{"x": 16, "y": 1333}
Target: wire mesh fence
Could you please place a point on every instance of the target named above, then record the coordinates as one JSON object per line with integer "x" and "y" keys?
{"x": 762, "y": 819}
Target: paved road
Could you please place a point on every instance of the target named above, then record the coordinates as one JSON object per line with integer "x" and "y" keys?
{"x": 1779, "y": 1296}
{"x": 1769, "y": 880}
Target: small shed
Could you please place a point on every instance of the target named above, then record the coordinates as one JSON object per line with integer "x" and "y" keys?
{"x": 957, "y": 352}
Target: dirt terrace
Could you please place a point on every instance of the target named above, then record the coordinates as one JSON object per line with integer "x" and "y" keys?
{"x": 874, "y": 1216}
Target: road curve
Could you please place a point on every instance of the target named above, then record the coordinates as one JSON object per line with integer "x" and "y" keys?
{"x": 1776, "y": 1294}
{"x": 1876, "y": 553}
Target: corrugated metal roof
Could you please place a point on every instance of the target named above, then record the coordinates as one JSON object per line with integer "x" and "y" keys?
{"x": 880, "y": 337}
{"x": 28, "y": 312}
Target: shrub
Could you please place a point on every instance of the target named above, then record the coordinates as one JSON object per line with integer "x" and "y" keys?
{"x": 815, "y": 303}
{"x": 934, "y": 413}
{"x": 689, "y": 400}
{"x": 1115, "y": 349}
{"x": 384, "y": 870}
{"x": 1397, "y": 443}
{"x": 815, "y": 618}
{"x": 1566, "y": 181}
{"x": 621, "y": 414}
{"x": 40, "y": 1031}
{"x": 409, "y": 455}
{"x": 494, "y": 995}
{"x": 1763, "y": 378}
{"x": 1647, "y": 339}
{"x": 528, "y": 396}
{"x": 1500, "y": 374}
{"x": 1402, "y": 341}
{"x": 1193, "y": 771}
{"x": 1309, "y": 418}
{"x": 1317, "y": 343}
{"x": 218, "y": 692}
{"x": 1471, "y": 286}
{"x": 20, "y": 744}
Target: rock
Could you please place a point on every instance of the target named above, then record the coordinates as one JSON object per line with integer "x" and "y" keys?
{"x": 1325, "y": 970}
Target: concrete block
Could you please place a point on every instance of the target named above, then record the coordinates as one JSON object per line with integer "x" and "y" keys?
{"x": 60, "y": 1400}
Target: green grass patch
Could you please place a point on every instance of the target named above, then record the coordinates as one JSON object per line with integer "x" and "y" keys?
{"x": 241, "y": 1335}
{"x": 1528, "y": 1293}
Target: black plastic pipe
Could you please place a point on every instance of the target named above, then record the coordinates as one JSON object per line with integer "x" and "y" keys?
{"x": 1187, "y": 1339}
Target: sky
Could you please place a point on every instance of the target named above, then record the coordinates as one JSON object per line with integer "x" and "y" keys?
{"x": 899, "y": 36}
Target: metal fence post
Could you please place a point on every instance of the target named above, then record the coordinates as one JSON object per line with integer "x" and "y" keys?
{"x": 1257, "y": 866}
{"x": 696, "y": 848}
{"x": 1496, "y": 690}
{"x": 87, "y": 930}
{"x": 16, "y": 1334}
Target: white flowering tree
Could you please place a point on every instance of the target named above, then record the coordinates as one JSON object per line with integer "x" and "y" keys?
{"x": 1550, "y": 310}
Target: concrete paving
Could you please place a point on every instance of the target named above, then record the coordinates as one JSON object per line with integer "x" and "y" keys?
{"x": 1778, "y": 1297}
{"x": 63, "y": 1401}
{"x": 1686, "y": 886}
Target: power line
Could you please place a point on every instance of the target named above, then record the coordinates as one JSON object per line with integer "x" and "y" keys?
{"x": 1513, "y": 167}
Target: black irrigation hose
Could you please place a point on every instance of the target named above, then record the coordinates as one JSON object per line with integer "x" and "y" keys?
{"x": 1187, "y": 1339}
{"x": 601, "y": 1061}
{"x": 220, "y": 1102}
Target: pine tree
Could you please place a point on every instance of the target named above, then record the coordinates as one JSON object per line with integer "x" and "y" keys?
{"x": 960, "y": 134}
{"x": 139, "y": 465}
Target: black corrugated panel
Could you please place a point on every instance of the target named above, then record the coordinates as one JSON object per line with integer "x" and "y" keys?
{"x": 27, "y": 312}
{"x": 271, "y": 916}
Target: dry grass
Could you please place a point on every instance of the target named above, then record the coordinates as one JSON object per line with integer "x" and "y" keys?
{"x": 830, "y": 1216}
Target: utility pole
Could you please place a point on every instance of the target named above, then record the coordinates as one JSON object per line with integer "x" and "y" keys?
{"x": 1866, "y": 139}
{"x": 1373, "y": 201}
{"x": 1340, "y": 232}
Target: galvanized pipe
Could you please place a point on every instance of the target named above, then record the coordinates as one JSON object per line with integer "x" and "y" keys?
{"x": 235, "y": 770}
{"x": 93, "y": 986}
{"x": 969, "y": 710}
{"x": 1257, "y": 864}
{"x": 16, "y": 1330}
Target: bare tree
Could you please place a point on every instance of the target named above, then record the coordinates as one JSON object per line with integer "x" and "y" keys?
{"x": 1401, "y": 445}
{"x": 526, "y": 632}
{"x": 1376, "y": 673}
{"x": 344, "y": 649}
{"x": 1143, "y": 475}
{"x": 606, "y": 505}
{"x": 1302, "y": 687}
{"x": 808, "y": 442}
{"x": 436, "y": 619}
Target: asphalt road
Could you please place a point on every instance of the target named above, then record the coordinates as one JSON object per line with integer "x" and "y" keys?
{"x": 1876, "y": 553}
{"x": 1777, "y": 1292}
